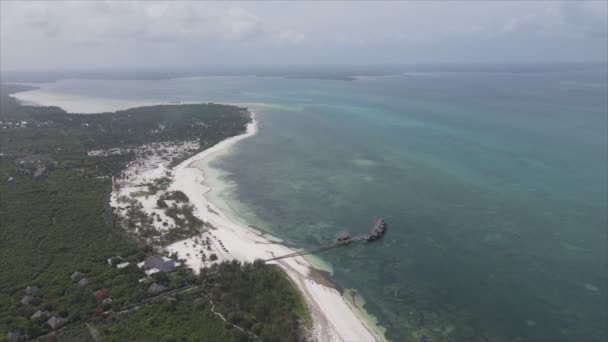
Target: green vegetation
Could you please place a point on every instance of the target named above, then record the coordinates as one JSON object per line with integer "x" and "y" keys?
{"x": 49, "y": 128}
{"x": 57, "y": 221}
{"x": 185, "y": 223}
{"x": 160, "y": 184}
{"x": 178, "y": 196}
{"x": 255, "y": 297}
{"x": 48, "y": 230}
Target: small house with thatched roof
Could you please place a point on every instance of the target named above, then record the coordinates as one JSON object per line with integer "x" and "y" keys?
{"x": 123, "y": 265}
{"x": 30, "y": 290}
{"x": 41, "y": 315}
{"x": 76, "y": 275}
{"x": 26, "y": 300}
{"x": 156, "y": 289}
{"x": 56, "y": 322}
{"x": 14, "y": 336}
{"x": 115, "y": 260}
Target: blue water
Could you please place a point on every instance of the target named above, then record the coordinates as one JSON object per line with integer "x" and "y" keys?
{"x": 493, "y": 184}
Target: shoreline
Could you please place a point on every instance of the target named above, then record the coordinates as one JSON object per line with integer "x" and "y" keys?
{"x": 82, "y": 104}
{"x": 333, "y": 317}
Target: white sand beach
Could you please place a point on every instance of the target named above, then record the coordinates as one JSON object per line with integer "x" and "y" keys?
{"x": 81, "y": 104}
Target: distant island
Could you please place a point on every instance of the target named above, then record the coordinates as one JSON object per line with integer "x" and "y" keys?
{"x": 322, "y": 72}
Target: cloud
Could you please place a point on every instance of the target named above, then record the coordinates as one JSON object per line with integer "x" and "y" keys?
{"x": 94, "y": 21}
{"x": 83, "y": 33}
{"x": 241, "y": 25}
{"x": 561, "y": 19}
{"x": 291, "y": 37}
{"x": 590, "y": 18}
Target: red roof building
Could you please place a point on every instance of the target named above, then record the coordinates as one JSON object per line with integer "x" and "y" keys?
{"x": 100, "y": 294}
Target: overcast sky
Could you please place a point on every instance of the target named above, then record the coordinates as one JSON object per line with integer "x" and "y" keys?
{"x": 128, "y": 34}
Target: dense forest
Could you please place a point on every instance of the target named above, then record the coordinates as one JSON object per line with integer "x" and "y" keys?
{"x": 54, "y": 224}
{"x": 256, "y": 297}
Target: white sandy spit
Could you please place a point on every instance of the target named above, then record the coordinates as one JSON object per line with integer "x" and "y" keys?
{"x": 334, "y": 320}
{"x": 82, "y": 104}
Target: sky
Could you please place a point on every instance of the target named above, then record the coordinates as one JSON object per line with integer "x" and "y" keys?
{"x": 127, "y": 34}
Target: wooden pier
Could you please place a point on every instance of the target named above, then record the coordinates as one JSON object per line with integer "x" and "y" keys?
{"x": 377, "y": 232}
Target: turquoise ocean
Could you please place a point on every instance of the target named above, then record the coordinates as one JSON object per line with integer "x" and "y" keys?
{"x": 493, "y": 184}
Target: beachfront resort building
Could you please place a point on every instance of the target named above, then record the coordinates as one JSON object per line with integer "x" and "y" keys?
{"x": 154, "y": 264}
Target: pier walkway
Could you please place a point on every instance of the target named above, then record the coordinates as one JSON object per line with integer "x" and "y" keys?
{"x": 376, "y": 233}
{"x": 321, "y": 248}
